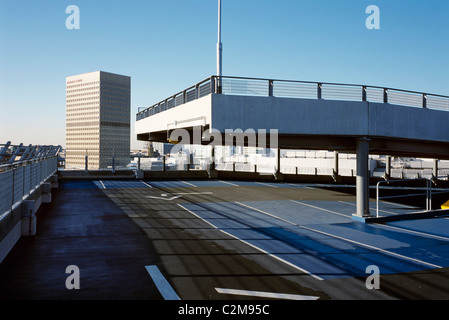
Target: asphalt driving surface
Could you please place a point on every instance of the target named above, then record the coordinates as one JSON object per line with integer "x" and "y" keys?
{"x": 218, "y": 240}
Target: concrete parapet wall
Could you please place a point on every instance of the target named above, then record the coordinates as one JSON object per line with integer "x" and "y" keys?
{"x": 21, "y": 219}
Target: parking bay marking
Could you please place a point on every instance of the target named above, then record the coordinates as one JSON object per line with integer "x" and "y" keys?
{"x": 348, "y": 240}
{"x": 162, "y": 284}
{"x": 176, "y": 195}
{"x": 261, "y": 294}
{"x": 253, "y": 246}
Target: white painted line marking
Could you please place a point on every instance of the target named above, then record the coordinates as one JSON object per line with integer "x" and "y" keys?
{"x": 148, "y": 185}
{"x": 322, "y": 209}
{"x": 301, "y": 186}
{"x": 102, "y": 184}
{"x": 162, "y": 284}
{"x": 414, "y": 231}
{"x": 352, "y": 241}
{"x": 400, "y": 205}
{"x": 189, "y": 193}
{"x": 188, "y": 183}
{"x": 374, "y": 209}
{"x": 253, "y": 246}
{"x": 266, "y": 184}
{"x": 266, "y": 213}
{"x": 261, "y": 294}
{"x": 204, "y": 220}
{"x": 232, "y": 184}
{"x": 374, "y": 248}
{"x": 164, "y": 197}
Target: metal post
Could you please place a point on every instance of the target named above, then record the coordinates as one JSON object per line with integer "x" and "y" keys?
{"x": 86, "y": 159}
{"x": 138, "y": 161}
{"x": 4, "y": 149}
{"x": 387, "y": 167}
{"x": 113, "y": 160}
{"x": 362, "y": 180}
{"x": 435, "y": 167}
{"x": 212, "y": 165}
{"x": 219, "y": 50}
{"x": 364, "y": 93}
{"x": 335, "y": 165}
{"x": 278, "y": 169}
{"x": 270, "y": 88}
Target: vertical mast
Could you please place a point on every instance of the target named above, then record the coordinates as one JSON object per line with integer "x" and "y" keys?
{"x": 219, "y": 50}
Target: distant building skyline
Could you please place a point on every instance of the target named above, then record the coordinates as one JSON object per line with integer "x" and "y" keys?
{"x": 98, "y": 119}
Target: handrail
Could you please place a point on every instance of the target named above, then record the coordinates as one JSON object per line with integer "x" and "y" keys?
{"x": 218, "y": 85}
{"x": 20, "y": 179}
{"x": 331, "y": 83}
{"x": 428, "y": 191}
{"x": 9, "y": 153}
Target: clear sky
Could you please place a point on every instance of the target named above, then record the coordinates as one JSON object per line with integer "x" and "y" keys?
{"x": 166, "y": 46}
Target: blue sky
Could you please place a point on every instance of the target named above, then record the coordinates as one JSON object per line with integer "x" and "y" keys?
{"x": 168, "y": 45}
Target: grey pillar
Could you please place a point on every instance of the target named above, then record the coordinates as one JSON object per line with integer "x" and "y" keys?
{"x": 278, "y": 169}
{"x": 387, "y": 167}
{"x": 86, "y": 161}
{"x": 113, "y": 160}
{"x": 362, "y": 180}
{"x": 335, "y": 165}
{"x": 435, "y": 167}
{"x": 212, "y": 154}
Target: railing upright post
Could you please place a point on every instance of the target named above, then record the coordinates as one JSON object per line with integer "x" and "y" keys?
{"x": 219, "y": 85}
{"x": 13, "y": 186}
{"x": 385, "y": 95}
{"x": 319, "y": 95}
{"x": 364, "y": 93}
{"x": 213, "y": 89}
{"x": 270, "y": 88}
{"x": 377, "y": 199}
{"x": 86, "y": 159}
{"x": 424, "y": 100}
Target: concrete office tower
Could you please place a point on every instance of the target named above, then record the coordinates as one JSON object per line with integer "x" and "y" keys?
{"x": 98, "y": 107}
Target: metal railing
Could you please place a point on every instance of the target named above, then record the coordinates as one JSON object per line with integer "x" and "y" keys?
{"x": 10, "y": 153}
{"x": 428, "y": 191}
{"x": 297, "y": 89}
{"x": 19, "y": 178}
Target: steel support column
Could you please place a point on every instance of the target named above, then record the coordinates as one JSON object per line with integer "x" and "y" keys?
{"x": 362, "y": 180}
{"x": 335, "y": 173}
{"x": 387, "y": 167}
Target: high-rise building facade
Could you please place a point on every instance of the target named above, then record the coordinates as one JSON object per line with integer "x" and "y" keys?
{"x": 98, "y": 113}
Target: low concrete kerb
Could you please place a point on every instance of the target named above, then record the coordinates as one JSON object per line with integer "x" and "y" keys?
{"x": 410, "y": 216}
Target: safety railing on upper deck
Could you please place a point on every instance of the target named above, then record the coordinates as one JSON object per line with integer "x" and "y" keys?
{"x": 22, "y": 170}
{"x": 297, "y": 89}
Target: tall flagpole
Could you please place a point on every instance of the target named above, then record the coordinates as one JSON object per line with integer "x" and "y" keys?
{"x": 219, "y": 50}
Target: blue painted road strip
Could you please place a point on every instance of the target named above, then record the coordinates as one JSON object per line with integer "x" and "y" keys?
{"x": 332, "y": 246}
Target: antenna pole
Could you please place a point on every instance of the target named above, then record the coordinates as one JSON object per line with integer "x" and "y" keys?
{"x": 219, "y": 50}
